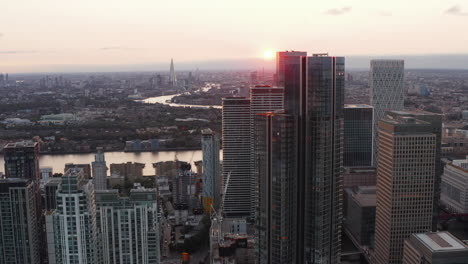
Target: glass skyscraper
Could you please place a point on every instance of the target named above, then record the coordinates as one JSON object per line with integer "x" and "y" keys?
{"x": 358, "y": 136}
{"x": 306, "y": 151}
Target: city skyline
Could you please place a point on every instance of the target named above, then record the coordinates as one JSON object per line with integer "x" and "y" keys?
{"x": 109, "y": 33}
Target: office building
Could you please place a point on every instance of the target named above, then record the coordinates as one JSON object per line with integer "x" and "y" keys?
{"x": 435, "y": 122}
{"x": 22, "y": 160}
{"x": 314, "y": 93}
{"x": 455, "y": 186}
{"x": 387, "y": 90}
{"x": 19, "y": 230}
{"x": 406, "y": 176}
{"x": 284, "y": 59}
{"x": 73, "y": 221}
{"x": 359, "y": 176}
{"x": 211, "y": 170}
{"x": 434, "y": 248}
{"x": 276, "y": 215}
{"x": 360, "y": 214}
{"x": 99, "y": 170}
{"x": 86, "y": 169}
{"x": 358, "y": 135}
{"x": 128, "y": 228}
{"x": 237, "y": 161}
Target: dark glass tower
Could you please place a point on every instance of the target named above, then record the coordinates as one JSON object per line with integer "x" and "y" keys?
{"x": 358, "y": 135}
{"x": 22, "y": 160}
{"x": 276, "y": 214}
{"x": 299, "y": 162}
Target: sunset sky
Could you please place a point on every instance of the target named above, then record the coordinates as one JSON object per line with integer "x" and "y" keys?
{"x": 36, "y": 34}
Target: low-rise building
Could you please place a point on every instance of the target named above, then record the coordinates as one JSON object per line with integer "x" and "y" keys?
{"x": 455, "y": 186}
{"x": 434, "y": 248}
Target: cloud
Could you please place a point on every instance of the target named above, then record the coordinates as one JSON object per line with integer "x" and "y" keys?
{"x": 117, "y": 48}
{"x": 456, "y": 11}
{"x": 338, "y": 11}
{"x": 18, "y": 51}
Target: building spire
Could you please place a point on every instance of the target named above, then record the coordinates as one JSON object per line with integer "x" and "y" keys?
{"x": 172, "y": 75}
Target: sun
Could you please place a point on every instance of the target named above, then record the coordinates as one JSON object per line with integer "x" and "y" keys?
{"x": 268, "y": 55}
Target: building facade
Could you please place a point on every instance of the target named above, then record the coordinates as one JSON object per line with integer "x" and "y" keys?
{"x": 19, "y": 230}
{"x": 128, "y": 228}
{"x": 387, "y": 90}
{"x": 211, "y": 170}
{"x": 276, "y": 214}
{"x": 455, "y": 186}
{"x": 22, "y": 160}
{"x": 74, "y": 220}
{"x": 406, "y": 177}
{"x": 434, "y": 248}
{"x": 99, "y": 170}
{"x": 358, "y": 135}
{"x": 237, "y": 161}
{"x": 283, "y": 64}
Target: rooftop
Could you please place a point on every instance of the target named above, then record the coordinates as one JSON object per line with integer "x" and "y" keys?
{"x": 441, "y": 241}
{"x": 21, "y": 144}
{"x": 357, "y": 106}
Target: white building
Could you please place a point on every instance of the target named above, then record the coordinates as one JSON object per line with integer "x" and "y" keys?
{"x": 128, "y": 228}
{"x": 455, "y": 186}
{"x": 99, "y": 170}
{"x": 237, "y": 161}
{"x": 74, "y": 220}
{"x": 387, "y": 90}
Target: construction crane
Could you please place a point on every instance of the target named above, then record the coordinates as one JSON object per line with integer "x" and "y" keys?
{"x": 217, "y": 216}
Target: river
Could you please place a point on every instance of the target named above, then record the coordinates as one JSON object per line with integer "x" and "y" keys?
{"x": 166, "y": 99}
{"x": 58, "y": 161}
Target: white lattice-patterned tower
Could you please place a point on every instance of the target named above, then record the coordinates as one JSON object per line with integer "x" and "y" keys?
{"x": 386, "y": 90}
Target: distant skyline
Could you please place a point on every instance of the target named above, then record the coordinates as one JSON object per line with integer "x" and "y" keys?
{"x": 57, "y": 35}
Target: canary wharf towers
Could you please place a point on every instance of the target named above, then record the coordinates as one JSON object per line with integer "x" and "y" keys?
{"x": 306, "y": 143}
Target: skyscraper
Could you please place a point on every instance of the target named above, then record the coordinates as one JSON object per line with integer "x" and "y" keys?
{"x": 172, "y": 75}
{"x": 358, "y": 137}
{"x": 276, "y": 213}
{"x": 128, "y": 228}
{"x": 211, "y": 169}
{"x": 284, "y": 59}
{"x": 387, "y": 90}
{"x": 435, "y": 121}
{"x": 263, "y": 99}
{"x": 74, "y": 220}
{"x": 306, "y": 155}
{"x": 19, "y": 229}
{"x": 237, "y": 162}
{"x": 406, "y": 175}
{"x": 22, "y": 160}
{"x": 99, "y": 170}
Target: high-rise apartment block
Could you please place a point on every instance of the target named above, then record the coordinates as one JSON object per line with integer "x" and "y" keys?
{"x": 434, "y": 248}
{"x": 73, "y": 221}
{"x": 358, "y": 135}
{"x": 128, "y": 228}
{"x": 406, "y": 177}
{"x": 19, "y": 229}
{"x": 86, "y": 169}
{"x": 387, "y": 90}
{"x": 99, "y": 170}
{"x": 211, "y": 170}
{"x": 22, "y": 160}
{"x": 237, "y": 161}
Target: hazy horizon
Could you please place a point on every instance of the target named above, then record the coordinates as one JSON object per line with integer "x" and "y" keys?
{"x": 41, "y": 36}
{"x": 436, "y": 61}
